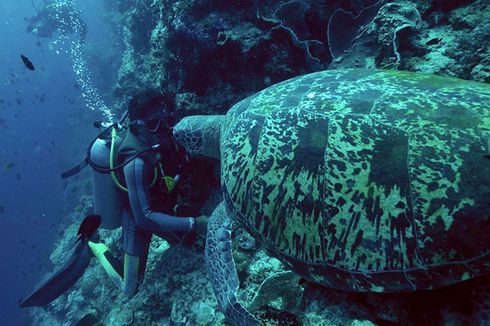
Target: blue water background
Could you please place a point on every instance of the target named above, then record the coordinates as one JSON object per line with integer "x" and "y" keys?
{"x": 39, "y": 140}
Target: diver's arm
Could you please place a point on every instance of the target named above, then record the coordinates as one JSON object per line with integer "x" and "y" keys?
{"x": 144, "y": 216}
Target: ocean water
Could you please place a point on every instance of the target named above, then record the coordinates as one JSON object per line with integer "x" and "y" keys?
{"x": 45, "y": 126}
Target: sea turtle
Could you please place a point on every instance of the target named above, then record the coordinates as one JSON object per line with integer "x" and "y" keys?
{"x": 361, "y": 180}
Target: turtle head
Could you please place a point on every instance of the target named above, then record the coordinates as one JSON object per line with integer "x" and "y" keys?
{"x": 200, "y": 134}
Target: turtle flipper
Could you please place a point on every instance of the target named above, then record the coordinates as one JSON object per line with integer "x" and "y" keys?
{"x": 222, "y": 270}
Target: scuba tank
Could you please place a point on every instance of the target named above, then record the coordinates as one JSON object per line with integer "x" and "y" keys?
{"x": 108, "y": 198}
{"x": 108, "y": 192}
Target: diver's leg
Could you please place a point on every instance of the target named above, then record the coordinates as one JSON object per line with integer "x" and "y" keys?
{"x": 136, "y": 242}
{"x": 109, "y": 263}
{"x": 131, "y": 267}
{"x": 222, "y": 270}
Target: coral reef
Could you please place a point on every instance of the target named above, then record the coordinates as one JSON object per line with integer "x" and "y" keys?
{"x": 212, "y": 53}
{"x": 424, "y": 36}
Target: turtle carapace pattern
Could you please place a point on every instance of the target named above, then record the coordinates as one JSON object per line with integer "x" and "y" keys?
{"x": 361, "y": 180}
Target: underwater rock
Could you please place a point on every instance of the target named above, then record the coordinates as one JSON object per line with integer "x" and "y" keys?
{"x": 90, "y": 319}
{"x": 419, "y": 36}
{"x": 462, "y": 43}
{"x": 392, "y": 21}
{"x": 446, "y": 6}
{"x": 344, "y": 25}
{"x": 220, "y": 51}
{"x": 379, "y": 43}
{"x": 272, "y": 316}
{"x": 137, "y": 22}
{"x": 481, "y": 71}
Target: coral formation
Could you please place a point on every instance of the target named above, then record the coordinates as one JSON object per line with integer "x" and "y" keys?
{"x": 424, "y": 36}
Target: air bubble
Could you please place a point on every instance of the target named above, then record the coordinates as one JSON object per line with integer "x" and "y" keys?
{"x": 70, "y": 35}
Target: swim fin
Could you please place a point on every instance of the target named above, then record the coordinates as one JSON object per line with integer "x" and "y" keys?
{"x": 89, "y": 225}
{"x": 70, "y": 272}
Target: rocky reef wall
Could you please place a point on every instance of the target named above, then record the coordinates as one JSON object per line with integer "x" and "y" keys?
{"x": 213, "y": 53}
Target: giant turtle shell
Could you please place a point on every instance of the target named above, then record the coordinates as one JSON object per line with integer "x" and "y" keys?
{"x": 365, "y": 180}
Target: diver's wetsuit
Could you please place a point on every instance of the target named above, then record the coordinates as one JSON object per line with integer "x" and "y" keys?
{"x": 142, "y": 221}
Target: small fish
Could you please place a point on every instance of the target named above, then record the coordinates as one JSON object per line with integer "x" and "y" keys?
{"x": 18, "y": 176}
{"x": 433, "y": 41}
{"x": 19, "y": 101}
{"x": 27, "y": 62}
{"x": 2, "y": 209}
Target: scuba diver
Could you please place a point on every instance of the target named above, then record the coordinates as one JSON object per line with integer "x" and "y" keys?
{"x": 55, "y": 17}
{"x": 146, "y": 154}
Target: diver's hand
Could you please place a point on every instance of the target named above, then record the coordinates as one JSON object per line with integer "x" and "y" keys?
{"x": 201, "y": 224}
